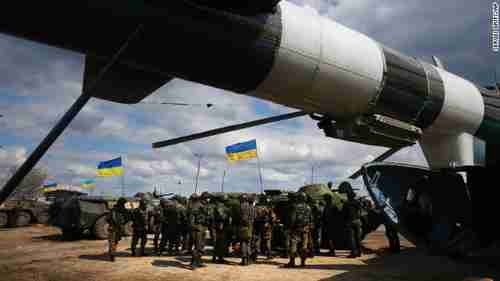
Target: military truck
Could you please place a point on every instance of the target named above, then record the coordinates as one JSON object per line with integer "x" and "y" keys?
{"x": 22, "y": 212}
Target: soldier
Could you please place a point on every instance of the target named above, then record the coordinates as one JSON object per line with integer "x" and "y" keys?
{"x": 155, "y": 222}
{"x": 352, "y": 218}
{"x": 263, "y": 228}
{"x": 198, "y": 222}
{"x": 329, "y": 218}
{"x": 220, "y": 223}
{"x": 391, "y": 233}
{"x": 300, "y": 226}
{"x": 317, "y": 211}
{"x": 139, "y": 225}
{"x": 117, "y": 218}
{"x": 164, "y": 225}
{"x": 247, "y": 217}
{"x": 173, "y": 219}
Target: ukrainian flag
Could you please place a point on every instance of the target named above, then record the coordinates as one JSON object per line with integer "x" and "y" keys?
{"x": 110, "y": 168}
{"x": 242, "y": 151}
{"x": 88, "y": 184}
{"x": 49, "y": 186}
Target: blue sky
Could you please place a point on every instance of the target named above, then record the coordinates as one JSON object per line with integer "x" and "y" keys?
{"x": 38, "y": 83}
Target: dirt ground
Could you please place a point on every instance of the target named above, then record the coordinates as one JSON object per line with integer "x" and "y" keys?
{"x": 37, "y": 253}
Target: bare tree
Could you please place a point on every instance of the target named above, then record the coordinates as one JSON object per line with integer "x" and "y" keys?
{"x": 31, "y": 186}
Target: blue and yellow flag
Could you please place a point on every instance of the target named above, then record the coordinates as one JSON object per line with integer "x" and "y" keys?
{"x": 49, "y": 186}
{"x": 110, "y": 168}
{"x": 88, "y": 184}
{"x": 242, "y": 151}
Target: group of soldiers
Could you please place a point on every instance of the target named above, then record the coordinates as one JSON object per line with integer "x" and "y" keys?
{"x": 248, "y": 229}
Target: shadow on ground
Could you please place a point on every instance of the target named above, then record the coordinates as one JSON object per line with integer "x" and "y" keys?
{"x": 171, "y": 263}
{"x": 103, "y": 257}
{"x": 417, "y": 266}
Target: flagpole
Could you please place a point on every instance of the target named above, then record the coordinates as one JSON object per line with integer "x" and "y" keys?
{"x": 260, "y": 172}
{"x": 222, "y": 184}
{"x": 123, "y": 180}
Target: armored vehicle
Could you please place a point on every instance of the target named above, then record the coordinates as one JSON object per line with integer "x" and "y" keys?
{"x": 84, "y": 214}
{"x": 87, "y": 214}
{"x": 22, "y": 212}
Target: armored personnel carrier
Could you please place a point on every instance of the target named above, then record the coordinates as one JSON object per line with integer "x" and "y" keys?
{"x": 22, "y": 212}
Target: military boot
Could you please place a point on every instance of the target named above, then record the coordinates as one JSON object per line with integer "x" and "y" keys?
{"x": 111, "y": 257}
{"x": 291, "y": 263}
{"x": 141, "y": 252}
{"x": 133, "y": 252}
{"x": 302, "y": 262}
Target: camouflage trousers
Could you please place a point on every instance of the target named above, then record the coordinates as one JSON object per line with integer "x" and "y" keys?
{"x": 139, "y": 234}
{"x": 354, "y": 237}
{"x": 221, "y": 244}
{"x": 245, "y": 241}
{"x": 262, "y": 243}
{"x": 299, "y": 243}
{"x": 170, "y": 239}
{"x": 114, "y": 236}
{"x": 198, "y": 239}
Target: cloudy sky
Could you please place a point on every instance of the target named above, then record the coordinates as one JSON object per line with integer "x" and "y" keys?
{"x": 38, "y": 83}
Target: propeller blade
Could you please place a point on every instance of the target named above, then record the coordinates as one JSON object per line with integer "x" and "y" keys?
{"x": 382, "y": 157}
{"x": 229, "y": 129}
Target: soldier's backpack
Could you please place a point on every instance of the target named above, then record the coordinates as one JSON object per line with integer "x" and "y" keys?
{"x": 247, "y": 217}
{"x": 302, "y": 215}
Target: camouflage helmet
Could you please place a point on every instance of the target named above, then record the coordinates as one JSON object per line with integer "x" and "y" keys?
{"x": 345, "y": 187}
{"x": 205, "y": 195}
{"x": 301, "y": 196}
{"x": 121, "y": 201}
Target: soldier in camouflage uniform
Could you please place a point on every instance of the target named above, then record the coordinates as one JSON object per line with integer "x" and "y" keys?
{"x": 221, "y": 222}
{"x": 173, "y": 219}
{"x": 330, "y": 218}
{"x": 247, "y": 217}
{"x": 352, "y": 218}
{"x": 155, "y": 222}
{"x": 164, "y": 204}
{"x": 198, "y": 222}
{"x": 139, "y": 225}
{"x": 300, "y": 226}
{"x": 117, "y": 218}
{"x": 263, "y": 228}
{"x": 317, "y": 211}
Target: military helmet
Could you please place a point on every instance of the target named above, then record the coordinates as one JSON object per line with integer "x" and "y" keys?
{"x": 205, "y": 195}
{"x": 121, "y": 201}
{"x": 301, "y": 196}
{"x": 345, "y": 187}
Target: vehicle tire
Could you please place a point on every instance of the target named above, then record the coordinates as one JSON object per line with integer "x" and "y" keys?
{"x": 4, "y": 219}
{"x": 70, "y": 234}
{"x": 43, "y": 218}
{"x": 101, "y": 228}
{"x": 129, "y": 230}
{"x": 22, "y": 218}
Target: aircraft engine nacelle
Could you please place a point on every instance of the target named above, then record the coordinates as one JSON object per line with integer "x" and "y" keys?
{"x": 373, "y": 130}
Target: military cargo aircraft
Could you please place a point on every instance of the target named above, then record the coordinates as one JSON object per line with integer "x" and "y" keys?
{"x": 354, "y": 87}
